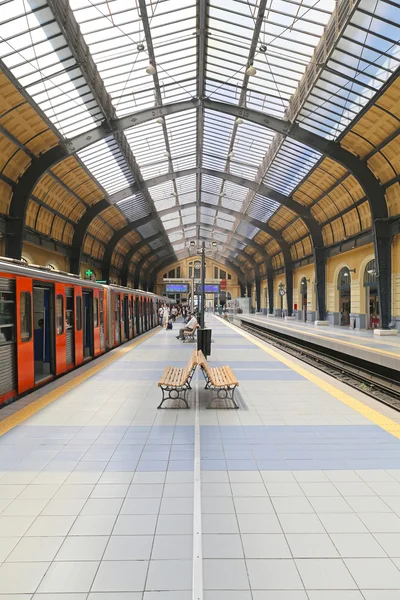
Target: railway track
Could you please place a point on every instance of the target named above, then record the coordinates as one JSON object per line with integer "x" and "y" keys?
{"x": 382, "y": 384}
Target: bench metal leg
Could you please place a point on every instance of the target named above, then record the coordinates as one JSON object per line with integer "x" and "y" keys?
{"x": 173, "y": 394}
{"x": 223, "y": 394}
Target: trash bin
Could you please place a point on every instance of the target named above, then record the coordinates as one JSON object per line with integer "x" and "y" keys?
{"x": 204, "y": 341}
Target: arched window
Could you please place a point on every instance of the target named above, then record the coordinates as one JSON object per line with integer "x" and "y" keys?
{"x": 52, "y": 266}
{"x": 344, "y": 279}
{"x": 370, "y": 274}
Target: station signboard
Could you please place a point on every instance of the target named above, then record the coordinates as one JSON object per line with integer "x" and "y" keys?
{"x": 176, "y": 288}
{"x": 209, "y": 288}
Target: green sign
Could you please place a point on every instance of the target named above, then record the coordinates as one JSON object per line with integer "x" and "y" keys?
{"x": 101, "y": 281}
{"x": 89, "y": 273}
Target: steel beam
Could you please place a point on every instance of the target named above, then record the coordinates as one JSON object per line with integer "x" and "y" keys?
{"x": 320, "y": 282}
{"x": 270, "y": 284}
{"x": 16, "y": 218}
{"x": 80, "y": 232}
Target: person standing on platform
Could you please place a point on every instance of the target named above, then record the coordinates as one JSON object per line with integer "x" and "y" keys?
{"x": 165, "y": 316}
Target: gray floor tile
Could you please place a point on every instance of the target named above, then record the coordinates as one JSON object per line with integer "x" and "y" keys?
{"x": 265, "y": 545}
{"x": 216, "y": 489}
{"x": 222, "y": 546}
{"x": 7, "y": 544}
{"x": 64, "y": 507}
{"x": 177, "y": 506}
{"x": 311, "y": 545}
{"x": 248, "y": 490}
{"x": 175, "y": 595}
{"x": 374, "y": 573}
{"x": 304, "y": 523}
{"x": 110, "y": 490}
{"x": 15, "y": 526}
{"x": 102, "y": 506}
{"x": 135, "y": 525}
{"x": 214, "y": 477}
{"x": 280, "y": 595}
{"x": 178, "y": 490}
{"x": 141, "y": 506}
{"x": 357, "y": 488}
{"x": 245, "y": 476}
{"x": 80, "y": 548}
{"x": 330, "y": 505}
{"x": 169, "y": 575}
{"x": 57, "y": 597}
{"x": 33, "y": 549}
{"x": 21, "y": 578}
{"x": 336, "y": 595}
{"x": 120, "y": 576}
{"x": 227, "y": 595}
{"x": 381, "y": 522}
{"x": 172, "y": 547}
{"x": 284, "y": 489}
{"x": 175, "y": 524}
{"x": 93, "y": 525}
{"x": 75, "y": 491}
{"x": 368, "y": 504}
{"x": 219, "y": 523}
{"x": 325, "y": 574}
{"x": 357, "y": 545}
{"x": 342, "y": 523}
{"x": 292, "y": 505}
{"x": 129, "y": 547}
{"x": 390, "y": 542}
{"x": 145, "y": 490}
{"x": 225, "y": 574}
{"x": 51, "y": 526}
{"x": 273, "y": 575}
{"x": 211, "y": 504}
{"x": 69, "y": 577}
{"x": 253, "y": 505}
{"x": 259, "y": 523}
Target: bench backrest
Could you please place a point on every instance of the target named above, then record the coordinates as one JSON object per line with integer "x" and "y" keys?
{"x": 202, "y": 361}
{"x": 191, "y": 364}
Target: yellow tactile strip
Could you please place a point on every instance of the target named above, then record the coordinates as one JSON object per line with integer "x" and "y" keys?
{"x": 333, "y": 339}
{"x": 23, "y": 414}
{"x": 370, "y": 413}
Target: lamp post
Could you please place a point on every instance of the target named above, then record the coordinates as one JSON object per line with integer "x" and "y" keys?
{"x": 203, "y": 283}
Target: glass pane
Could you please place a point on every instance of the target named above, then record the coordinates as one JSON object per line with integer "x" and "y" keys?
{"x": 78, "y": 313}
{"x": 59, "y": 314}
{"x": 26, "y": 316}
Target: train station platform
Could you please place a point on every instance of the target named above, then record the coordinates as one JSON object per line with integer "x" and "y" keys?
{"x": 295, "y": 496}
{"x": 360, "y": 343}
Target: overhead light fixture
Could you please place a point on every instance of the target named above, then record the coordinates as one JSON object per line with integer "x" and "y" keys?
{"x": 263, "y": 48}
{"x": 239, "y": 121}
{"x": 214, "y": 245}
{"x": 150, "y": 70}
{"x": 140, "y": 47}
{"x": 371, "y": 271}
{"x": 251, "y": 70}
{"x": 231, "y": 155}
{"x": 192, "y": 244}
{"x": 167, "y": 154}
{"x": 160, "y": 120}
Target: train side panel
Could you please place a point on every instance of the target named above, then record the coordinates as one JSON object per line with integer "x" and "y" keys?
{"x": 24, "y": 331}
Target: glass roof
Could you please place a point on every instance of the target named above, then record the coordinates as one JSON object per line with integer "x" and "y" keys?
{"x": 147, "y": 54}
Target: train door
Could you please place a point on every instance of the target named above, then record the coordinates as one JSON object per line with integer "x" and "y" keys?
{"x": 131, "y": 324}
{"x": 87, "y": 325}
{"x": 134, "y": 316}
{"x": 69, "y": 323}
{"x": 137, "y": 312}
{"x": 43, "y": 326}
{"x": 125, "y": 309}
{"x": 25, "y": 342}
{"x": 117, "y": 319}
{"x": 102, "y": 321}
{"x": 78, "y": 327}
{"x": 60, "y": 326}
{"x": 96, "y": 323}
{"x": 145, "y": 310}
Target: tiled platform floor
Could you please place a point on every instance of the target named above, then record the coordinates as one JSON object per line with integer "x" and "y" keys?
{"x": 300, "y": 494}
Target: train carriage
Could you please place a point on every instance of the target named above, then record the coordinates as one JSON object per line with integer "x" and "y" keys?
{"x": 52, "y": 322}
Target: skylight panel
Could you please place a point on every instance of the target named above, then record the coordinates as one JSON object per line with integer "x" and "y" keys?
{"x": 33, "y": 47}
{"x": 262, "y": 208}
{"x": 134, "y": 207}
{"x": 147, "y": 143}
{"x": 291, "y": 164}
{"x": 105, "y": 161}
{"x": 364, "y": 58}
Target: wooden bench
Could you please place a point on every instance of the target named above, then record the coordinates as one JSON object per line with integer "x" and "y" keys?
{"x": 218, "y": 379}
{"x": 175, "y": 381}
{"x": 188, "y": 336}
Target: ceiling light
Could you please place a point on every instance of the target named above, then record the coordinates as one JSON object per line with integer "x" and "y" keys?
{"x": 263, "y": 48}
{"x": 231, "y": 155}
{"x": 150, "y": 70}
{"x": 371, "y": 271}
{"x": 160, "y": 120}
{"x": 167, "y": 154}
{"x": 251, "y": 70}
{"x": 239, "y": 121}
{"x": 140, "y": 47}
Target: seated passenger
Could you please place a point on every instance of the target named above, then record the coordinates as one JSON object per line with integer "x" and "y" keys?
{"x": 190, "y": 326}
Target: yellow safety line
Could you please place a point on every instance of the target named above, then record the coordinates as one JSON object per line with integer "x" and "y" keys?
{"x": 324, "y": 337}
{"x": 371, "y": 414}
{"x": 23, "y": 414}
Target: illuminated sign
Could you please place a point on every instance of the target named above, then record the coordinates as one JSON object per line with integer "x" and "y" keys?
{"x": 209, "y": 288}
{"x": 176, "y": 288}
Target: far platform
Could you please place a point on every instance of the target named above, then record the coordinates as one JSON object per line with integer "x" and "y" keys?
{"x": 362, "y": 344}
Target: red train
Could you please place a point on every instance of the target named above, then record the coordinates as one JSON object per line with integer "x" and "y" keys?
{"x": 52, "y": 322}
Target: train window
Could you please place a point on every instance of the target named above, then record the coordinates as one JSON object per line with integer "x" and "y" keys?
{"x": 78, "y": 313}
{"x": 7, "y": 311}
{"x": 70, "y": 308}
{"x": 96, "y": 312}
{"x": 101, "y": 308}
{"x": 25, "y": 313}
{"x": 59, "y": 314}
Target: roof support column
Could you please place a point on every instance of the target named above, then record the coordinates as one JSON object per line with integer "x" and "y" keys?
{"x": 320, "y": 282}
{"x": 258, "y": 290}
{"x": 270, "y": 284}
{"x": 289, "y": 287}
{"x": 383, "y": 255}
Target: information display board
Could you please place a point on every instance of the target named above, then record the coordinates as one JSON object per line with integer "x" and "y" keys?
{"x": 176, "y": 288}
{"x": 209, "y": 288}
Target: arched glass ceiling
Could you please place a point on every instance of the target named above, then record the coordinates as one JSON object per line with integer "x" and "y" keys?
{"x": 305, "y": 72}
